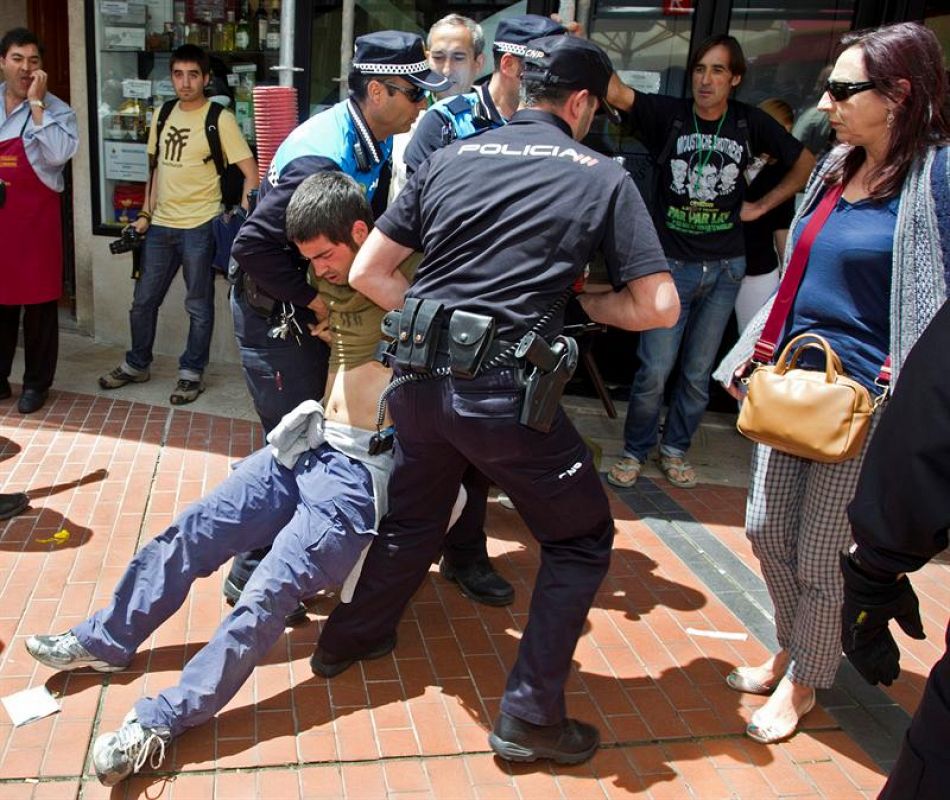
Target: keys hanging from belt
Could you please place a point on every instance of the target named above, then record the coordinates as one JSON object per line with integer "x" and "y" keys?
{"x": 286, "y": 324}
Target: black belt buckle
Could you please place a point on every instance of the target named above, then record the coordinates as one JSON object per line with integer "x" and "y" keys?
{"x": 470, "y": 336}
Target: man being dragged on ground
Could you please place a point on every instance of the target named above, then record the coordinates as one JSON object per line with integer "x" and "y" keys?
{"x": 309, "y": 495}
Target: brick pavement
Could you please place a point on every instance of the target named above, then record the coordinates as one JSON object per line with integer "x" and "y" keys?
{"x": 411, "y": 725}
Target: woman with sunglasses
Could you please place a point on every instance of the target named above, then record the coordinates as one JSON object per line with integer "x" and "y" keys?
{"x": 876, "y": 274}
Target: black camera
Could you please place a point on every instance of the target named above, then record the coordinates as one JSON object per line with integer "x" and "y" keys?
{"x": 129, "y": 240}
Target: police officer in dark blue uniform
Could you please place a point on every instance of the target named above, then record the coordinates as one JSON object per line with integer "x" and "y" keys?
{"x": 899, "y": 525}
{"x": 272, "y": 301}
{"x": 490, "y": 104}
{"x": 465, "y": 550}
{"x": 485, "y": 310}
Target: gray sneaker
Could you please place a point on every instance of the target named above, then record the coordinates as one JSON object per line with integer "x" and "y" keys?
{"x": 119, "y": 377}
{"x": 186, "y": 392}
{"x": 63, "y": 651}
{"x": 121, "y": 753}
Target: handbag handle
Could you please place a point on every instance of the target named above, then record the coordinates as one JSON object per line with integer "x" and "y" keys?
{"x": 833, "y": 366}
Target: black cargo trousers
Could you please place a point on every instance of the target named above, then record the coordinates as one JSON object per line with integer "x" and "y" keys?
{"x": 442, "y": 426}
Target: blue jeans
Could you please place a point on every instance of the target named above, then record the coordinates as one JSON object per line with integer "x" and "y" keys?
{"x": 164, "y": 250}
{"x": 316, "y": 516}
{"x": 707, "y": 291}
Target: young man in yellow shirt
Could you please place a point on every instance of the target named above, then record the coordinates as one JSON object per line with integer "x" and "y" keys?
{"x": 183, "y": 196}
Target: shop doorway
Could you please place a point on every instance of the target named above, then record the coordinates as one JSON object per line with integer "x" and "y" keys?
{"x": 47, "y": 20}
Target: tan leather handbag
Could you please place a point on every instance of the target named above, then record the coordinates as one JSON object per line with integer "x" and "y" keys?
{"x": 822, "y": 416}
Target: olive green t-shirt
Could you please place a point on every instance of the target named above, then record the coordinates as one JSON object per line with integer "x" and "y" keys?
{"x": 355, "y": 321}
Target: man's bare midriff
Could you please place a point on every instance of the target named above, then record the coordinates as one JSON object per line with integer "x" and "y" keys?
{"x": 352, "y": 394}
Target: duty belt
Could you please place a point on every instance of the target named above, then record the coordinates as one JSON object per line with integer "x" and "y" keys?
{"x": 422, "y": 330}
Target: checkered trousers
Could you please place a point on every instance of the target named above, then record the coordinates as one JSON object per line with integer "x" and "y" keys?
{"x": 797, "y": 522}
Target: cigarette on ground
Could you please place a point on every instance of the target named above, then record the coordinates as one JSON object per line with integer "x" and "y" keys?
{"x": 735, "y": 636}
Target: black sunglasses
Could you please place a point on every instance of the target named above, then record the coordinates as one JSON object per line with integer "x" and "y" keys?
{"x": 415, "y": 94}
{"x": 842, "y": 90}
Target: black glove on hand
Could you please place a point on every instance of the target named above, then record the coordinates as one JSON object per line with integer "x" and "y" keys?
{"x": 869, "y": 605}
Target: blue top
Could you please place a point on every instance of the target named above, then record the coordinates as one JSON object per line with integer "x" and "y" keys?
{"x": 452, "y": 118}
{"x": 327, "y": 141}
{"x": 331, "y": 135}
{"x": 845, "y": 295}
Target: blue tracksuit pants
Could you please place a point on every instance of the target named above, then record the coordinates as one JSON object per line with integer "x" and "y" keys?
{"x": 314, "y": 516}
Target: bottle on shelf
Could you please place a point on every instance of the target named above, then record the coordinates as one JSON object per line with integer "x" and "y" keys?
{"x": 217, "y": 37}
{"x": 260, "y": 26}
{"x": 242, "y": 31}
{"x": 273, "y": 27}
{"x": 180, "y": 31}
{"x": 207, "y": 31}
{"x": 230, "y": 29}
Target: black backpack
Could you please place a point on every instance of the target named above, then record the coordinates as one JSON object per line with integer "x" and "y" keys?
{"x": 231, "y": 178}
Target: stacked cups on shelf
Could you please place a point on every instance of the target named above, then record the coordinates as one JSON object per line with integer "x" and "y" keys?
{"x": 275, "y": 116}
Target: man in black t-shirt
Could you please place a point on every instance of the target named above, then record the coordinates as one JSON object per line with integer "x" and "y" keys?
{"x": 547, "y": 204}
{"x": 703, "y": 148}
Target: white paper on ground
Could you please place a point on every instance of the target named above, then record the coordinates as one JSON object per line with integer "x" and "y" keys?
{"x": 30, "y": 705}
{"x": 738, "y": 637}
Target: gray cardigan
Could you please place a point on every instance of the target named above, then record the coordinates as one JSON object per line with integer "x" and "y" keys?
{"x": 921, "y": 261}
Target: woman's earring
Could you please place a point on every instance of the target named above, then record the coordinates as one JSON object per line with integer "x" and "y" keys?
{"x": 890, "y": 119}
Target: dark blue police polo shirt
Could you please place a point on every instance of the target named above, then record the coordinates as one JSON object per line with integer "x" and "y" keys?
{"x": 508, "y": 219}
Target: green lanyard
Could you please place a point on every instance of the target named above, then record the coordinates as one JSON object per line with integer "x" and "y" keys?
{"x": 704, "y": 154}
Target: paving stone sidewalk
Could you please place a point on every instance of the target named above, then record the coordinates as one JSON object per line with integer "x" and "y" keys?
{"x": 111, "y": 474}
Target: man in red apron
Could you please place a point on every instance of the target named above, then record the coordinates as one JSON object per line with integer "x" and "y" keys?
{"x": 38, "y": 135}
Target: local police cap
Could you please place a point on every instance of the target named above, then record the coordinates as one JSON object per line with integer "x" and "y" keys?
{"x": 569, "y": 62}
{"x": 513, "y": 33}
{"x": 397, "y": 53}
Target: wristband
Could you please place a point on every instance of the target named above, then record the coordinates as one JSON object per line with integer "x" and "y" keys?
{"x": 145, "y": 215}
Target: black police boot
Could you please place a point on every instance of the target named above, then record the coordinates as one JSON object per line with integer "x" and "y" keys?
{"x": 12, "y": 504}
{"x": 327, "y": 665}
{"x": 568, "y": 742}
{"x": 242, "y": 568}
{"x": 478, "y": 581}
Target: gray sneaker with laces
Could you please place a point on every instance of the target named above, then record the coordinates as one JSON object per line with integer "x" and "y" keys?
{"x": 121, "y": 753}
{"x": 63, "y": 651}
{"x": 118, "y": 378}
{"x": 186, "y": 392}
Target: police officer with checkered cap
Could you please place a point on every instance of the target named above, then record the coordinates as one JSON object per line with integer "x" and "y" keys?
{"x": 273, "y": 302}
{"x": 548, "y": 206}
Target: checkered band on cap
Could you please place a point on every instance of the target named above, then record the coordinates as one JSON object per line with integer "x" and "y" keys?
{"x": 391, "y": 69}
{"x": 519, "y": 50}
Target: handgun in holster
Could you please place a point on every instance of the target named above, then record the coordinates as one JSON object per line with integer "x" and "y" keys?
{"x": 416, "y": 329}
{"x": 554, "y": 366}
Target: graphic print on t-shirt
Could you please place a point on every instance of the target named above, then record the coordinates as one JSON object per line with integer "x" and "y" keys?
{"x": 703, "y": 187}
{"x": 175, "y": 142}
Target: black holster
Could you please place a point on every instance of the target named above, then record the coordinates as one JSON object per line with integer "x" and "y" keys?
{"x": 554, "y": 366}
